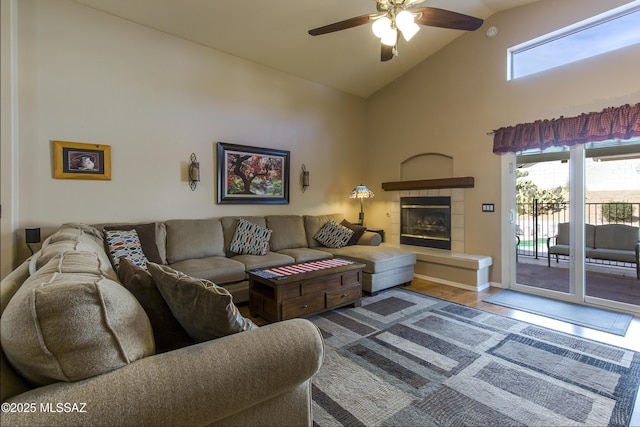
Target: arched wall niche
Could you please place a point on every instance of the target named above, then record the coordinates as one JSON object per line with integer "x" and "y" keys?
{"x": 426, "y": 166}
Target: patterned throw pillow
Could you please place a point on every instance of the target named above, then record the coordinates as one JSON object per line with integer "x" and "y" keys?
{"x": 250, "y": 239}
{"x": 125, "y": 243}
{"x": 205, "y": 310}
{"x": 333, "y": 235}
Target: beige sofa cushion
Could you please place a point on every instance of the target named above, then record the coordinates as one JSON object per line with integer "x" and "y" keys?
{"x": 287, "y": 232}
{"x": 68, "y": 322}
{"x": 71, "y": 239}
{"x": 206, "y": 311}
{"x": 194, "y": 238}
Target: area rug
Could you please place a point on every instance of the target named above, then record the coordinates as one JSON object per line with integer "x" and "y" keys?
{"x": 404, "y": 359}
{"x": 590, "y": 317}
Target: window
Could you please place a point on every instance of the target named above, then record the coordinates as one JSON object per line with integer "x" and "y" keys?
{"x": 603, "y": 33}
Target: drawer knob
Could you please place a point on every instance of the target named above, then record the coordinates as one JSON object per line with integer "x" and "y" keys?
{"x": 305, "y": 306}
{"x": 345, "y": 295}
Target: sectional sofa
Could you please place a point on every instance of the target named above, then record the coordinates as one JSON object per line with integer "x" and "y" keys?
{"x": 200, "y": 248}
{"x": 80, "y": 347}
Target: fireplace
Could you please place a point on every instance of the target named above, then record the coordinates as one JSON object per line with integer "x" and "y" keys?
{"x": 426, "y": 221}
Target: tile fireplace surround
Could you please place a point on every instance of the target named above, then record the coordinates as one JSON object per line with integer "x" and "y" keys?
{"x": 454, "y": 267}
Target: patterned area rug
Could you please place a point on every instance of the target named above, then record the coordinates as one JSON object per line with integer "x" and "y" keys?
{"x": 403, "y": 359}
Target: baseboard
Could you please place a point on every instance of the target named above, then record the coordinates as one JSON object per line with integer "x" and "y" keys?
{"x": 478, "y": 288}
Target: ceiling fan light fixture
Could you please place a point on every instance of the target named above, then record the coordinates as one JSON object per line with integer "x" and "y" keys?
{"x": 381, "y": 26}
{"x": 404, "y": 19}
{"x": 409, "y": 31}
{"x": 390, "y": 38}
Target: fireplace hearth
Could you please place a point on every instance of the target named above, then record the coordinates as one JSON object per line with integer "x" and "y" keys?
{"x": 426, "y": 222}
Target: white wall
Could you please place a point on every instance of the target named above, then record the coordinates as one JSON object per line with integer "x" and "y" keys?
{"x": 448, "y": 103}
{"x": 86, "y": 76}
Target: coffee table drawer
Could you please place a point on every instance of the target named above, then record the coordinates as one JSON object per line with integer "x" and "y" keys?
{"x": 344, "y": 295}
{"x": 302, "y": 306}
{"x": 320, "y": 284}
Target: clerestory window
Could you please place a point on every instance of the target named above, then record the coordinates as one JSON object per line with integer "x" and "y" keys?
{"x": 615, "y": 29}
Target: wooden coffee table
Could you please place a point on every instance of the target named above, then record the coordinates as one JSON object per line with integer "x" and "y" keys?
{"x": 276, "y": 298}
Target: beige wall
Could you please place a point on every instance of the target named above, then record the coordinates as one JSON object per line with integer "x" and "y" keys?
{"x": 449, "y": 102}
{"x": 86, "y": 76}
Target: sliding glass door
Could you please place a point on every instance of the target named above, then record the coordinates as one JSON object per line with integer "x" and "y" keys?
{"x": 612, "y": 214}
{"x": 560, "y": 198}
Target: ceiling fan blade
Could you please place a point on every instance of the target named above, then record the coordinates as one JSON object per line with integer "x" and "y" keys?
{"x": 434, "y": 17}
{"x": 343, "y": 25}
{"x": 386, "y": 53}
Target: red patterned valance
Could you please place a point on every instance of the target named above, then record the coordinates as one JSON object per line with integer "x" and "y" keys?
{"x": 611, "y": 123}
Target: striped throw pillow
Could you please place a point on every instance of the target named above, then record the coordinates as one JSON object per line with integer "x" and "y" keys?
{"x": 250, "y": 239}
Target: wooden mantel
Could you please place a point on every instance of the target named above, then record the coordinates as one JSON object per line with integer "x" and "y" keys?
{"x": 429, "y": 184}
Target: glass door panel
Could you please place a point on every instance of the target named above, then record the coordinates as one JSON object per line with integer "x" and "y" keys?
{"x": 542, "y": 223}
{"x": 612, "y": 216}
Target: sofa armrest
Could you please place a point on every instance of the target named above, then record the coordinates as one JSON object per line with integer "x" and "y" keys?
{"x": 195, "y": 385}
{"x": 369, "y": 238}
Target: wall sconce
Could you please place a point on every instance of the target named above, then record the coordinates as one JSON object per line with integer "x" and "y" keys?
{"x": 304, "y": 178}
{"x": 194, "y": 172}
{"x": 31, "y": 235}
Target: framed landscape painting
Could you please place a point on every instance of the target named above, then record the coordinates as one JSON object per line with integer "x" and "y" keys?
{"x": 252, "y": 174}
{"x": 77, "y": 160}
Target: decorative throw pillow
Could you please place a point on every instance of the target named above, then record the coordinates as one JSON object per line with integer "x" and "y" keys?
{"x": 333, "y": 235}
{"x": 69, "y": 322}
{"x": 125, "y": 243}
{"x": 358, "y": 231}
{"x": 167, "y": 332}
{"x": 206, "y": 311}
{"x": 250, "y": 239}
{"x": 147, "y": 236}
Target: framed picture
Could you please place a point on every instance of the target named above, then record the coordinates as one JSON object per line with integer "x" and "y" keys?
{"x": 76, "y": 160}
{"x": 252, "y": 175}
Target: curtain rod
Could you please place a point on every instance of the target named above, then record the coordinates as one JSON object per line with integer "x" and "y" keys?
{"x": 491, "y": 133}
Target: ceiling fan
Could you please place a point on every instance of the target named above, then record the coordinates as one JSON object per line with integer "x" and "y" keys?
{"x": 402, "y": 15}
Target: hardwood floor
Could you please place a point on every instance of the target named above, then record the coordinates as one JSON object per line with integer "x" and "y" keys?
{"x": 475, "y": 299}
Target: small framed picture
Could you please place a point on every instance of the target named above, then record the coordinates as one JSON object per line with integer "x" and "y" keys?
{"x": 252, "y": 175}
{"x": 77, "y": 160}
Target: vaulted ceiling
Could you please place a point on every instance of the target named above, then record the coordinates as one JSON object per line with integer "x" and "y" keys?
{"x": 275, "y": 33}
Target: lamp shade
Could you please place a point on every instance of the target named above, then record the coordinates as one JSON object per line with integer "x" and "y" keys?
{"x": 361, "y": 192}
